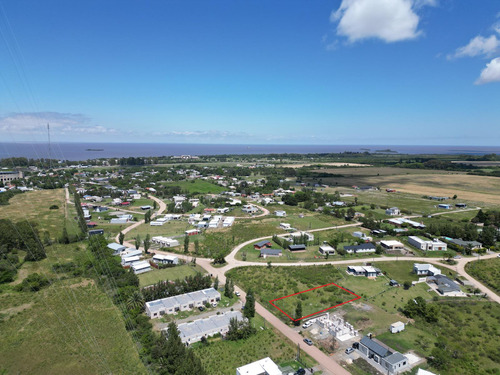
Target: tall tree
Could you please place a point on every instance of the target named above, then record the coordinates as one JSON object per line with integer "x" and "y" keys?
{"x": 186, "y": 244}
{"x": 137, "y": 242}
{"x": 196, "y": 246}
{"x": 147, "y": 243}
{"x": 298, "y": 314}
{"x": 216, "y": 282}
{"x": 249, "y": 310}
{"x": 121, "y": 237}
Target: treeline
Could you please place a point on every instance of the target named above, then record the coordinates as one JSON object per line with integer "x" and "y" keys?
{"x": 161, "y": 354}
{"x": 163, "y": 289}
{"x": 14, "y": 237}
{"x": 5, "y": 196}
{"x": 490, "y": 217}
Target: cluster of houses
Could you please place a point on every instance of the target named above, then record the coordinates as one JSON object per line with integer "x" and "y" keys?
{"x": 182, "y": 302}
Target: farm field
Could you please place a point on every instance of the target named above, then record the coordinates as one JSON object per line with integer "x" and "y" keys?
{"x": 197, "y": 186}
{"x": 222, "y": 357}
{"x": 486, "y": 271}
{"x": 171, "y": 273}
{"x": 34, "y": 206}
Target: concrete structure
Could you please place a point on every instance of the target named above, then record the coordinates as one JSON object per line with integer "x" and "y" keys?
{"x": 297, "y": 247}
{"x": 445, "y": 206}
{"x": 392, "y": 245}
{"x": 6, "y": 177}
{"x": 363, "y": 248}
{"x": 336, "y": 326}
{"x": 182, "y": 302}
{"x": 165, "y": 259}
{"x": 392, "y": 362}
{"x": 427, "y": 245}
{"x": 397, "y": 327}
{"x": 261, "y": 367}
{"x": 249, "y": 209}
{"x": 424, "y": 269}
{"x": 326, "y": 249}
{"x": 228, "y": 221}
{"x": 399, "y": 222}
{"x": 194, "y": 331}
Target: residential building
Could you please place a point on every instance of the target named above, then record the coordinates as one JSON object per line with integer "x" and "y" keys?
{"x": 297, "y": 247}
{"x": 473, "y": 245}
{"x": 397, "y": 327}
{"x": 445, "y": 285}
{"x": 261, "y": 244}
{"x": 424, "y": 269}
{"x": 363, "y": 248}
{"x": 165, "y": 241}
{"x": 393, "y": 211}
{"x": 367, "y": 271}
{"x": 193, "y": 332}
{"x": 400, "y": 221}
{"x": 265, "y": 252}
{"x": 117, "y": 248}
{"x": 182, "y": 302}
{"x": 427, "y": 245}
{"x": 228, "y": 221}
{"x": 461, "y": 205}
{"x": 392, "y": 245}
{"x": 445, "y": 206}
{"x": 392, "y": 362}
{"x": 263, "y": 366}
{"x": 280, "y": 213}
{"x": 285, "y": 226}
{"x": 308, "y": 236}
{"x": 165, "y": 259}
{"x": 326, "y": 249}
{"x": 141, "y": 267}
{"x": 363, "y": 236}
{"x": 249, "y": 209}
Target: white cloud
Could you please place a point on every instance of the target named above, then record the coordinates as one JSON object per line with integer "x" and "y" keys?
{"x": 478, "y": 46}
{"x": 491, "y": 73}
{"x": 389, "y": 20}
{"x": 211, "y": 134}
{"x": 60, "y": 123}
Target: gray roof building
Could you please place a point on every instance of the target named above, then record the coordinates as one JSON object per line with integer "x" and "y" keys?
{"x": 194, "y": 331}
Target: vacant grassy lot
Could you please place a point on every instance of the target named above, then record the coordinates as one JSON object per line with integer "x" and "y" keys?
{"x": 169, "y": 229}
{"x": 172, "y": 273}
{"x": 486, "y": 271}
{"x": 73, "y": 327}
{"x": 34, "y": 206}
{"x": 223, "y": 357}
{"x": 402, "y": 271}
{"x": 197, "y": 186}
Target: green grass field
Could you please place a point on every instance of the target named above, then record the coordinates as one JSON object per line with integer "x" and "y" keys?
{"x": 197, "y": 187}
{"x": 222, "y": 357}
{"x": 486, "y": 271}
{"x": 172, "y": 273}
{"x": 34, "y": 206}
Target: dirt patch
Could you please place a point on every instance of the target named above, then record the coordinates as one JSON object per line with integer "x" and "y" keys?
{"x": 16, "y": 309}
{"x": 82, "y": 284}
{"x": 21, "y": 275}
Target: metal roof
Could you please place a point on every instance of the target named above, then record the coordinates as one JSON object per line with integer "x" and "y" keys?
{"x": 395, "y": 358}
{"x": 375, "y": 347}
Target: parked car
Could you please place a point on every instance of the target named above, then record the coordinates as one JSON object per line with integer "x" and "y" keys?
{"x": 214, "y": 304}
{"x": 201, "y": 308}
{"x": 300, "y": 371}
{"x": 237, "y": 293}
{"x": 349, "y": 350}
{"x": 307, "y": 325}
{"x": 308, "y": 342}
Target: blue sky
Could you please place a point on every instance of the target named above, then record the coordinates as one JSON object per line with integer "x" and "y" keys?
{"x": 275, "y": 72}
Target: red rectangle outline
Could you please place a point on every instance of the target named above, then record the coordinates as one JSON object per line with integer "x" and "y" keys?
{"x": 317, "y": 312}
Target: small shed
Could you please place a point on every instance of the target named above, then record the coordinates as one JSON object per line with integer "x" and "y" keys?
{"x": 298, "y": 247}
{"x": 397, "y": 327}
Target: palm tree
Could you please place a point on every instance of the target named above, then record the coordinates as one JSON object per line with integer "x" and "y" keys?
{"x": 136, "y": 300}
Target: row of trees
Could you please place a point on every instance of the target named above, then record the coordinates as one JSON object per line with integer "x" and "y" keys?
{"x": 164, "y": 289}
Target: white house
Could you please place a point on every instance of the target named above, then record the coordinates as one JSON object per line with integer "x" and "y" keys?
{"x": 193, "y": 331}
{"x": 249, "y": 209}
{"x": 280, "y": 213}
{"x": 397, "y": 327}
{"x": 326, "y": 249}
{"x": 392, "y": 245}
{"x": 393, "y": 211}
{"x": 165, "y": 259}
{"x": 182, "y": 302}
{"x": 141, "y": 267}
{"x": 363, "y": 236}
{"x": 285, "y": 226}
{"x": 165, "y": 241}
{"x": 427, "y": 245}
{"x": 425, "y": 269}
{"x": 367, "y": 271}
{"x": 117, "y": 248}
{"x": 228, "y": 221}
{"x": 263, "y": 366}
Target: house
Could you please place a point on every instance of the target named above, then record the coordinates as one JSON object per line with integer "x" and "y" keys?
{"x": 392, "y": 245}
{"x": 182, "y": 302}
{"x": 280, "y": 213}
{"x": 145, "y": 208}
{"x": 191, "y": 232}
{"x": 141, "y": 267}
{"x": 249, "y": 209}
{"x": 222, "y": 210}
{"x": 261, "y": 367}
{"x": 165, "y": 241}
{"x": 119, "y": 220}
{"x": 363, "y": 236}
{"x": 215, "y": 324}
{"x": 285, "y": 226}
{"x": 95, "y": 232}
{"x": 393, "y": 283}
{"x": 363, "y": 248}
{"x": 326, "y": 249}
{"x": 445, "y": 285}
{"x": 91, "y": 224}
{"x": 424, "y": 269}
{"x": 128, "y": 261}
{"x": 117, "y": 248}
{"x": 165, "y": 259}
{"x": 308, "y": 236}
{"x": 461, "y": 205}
{"x": 426, "y": 245}
{"x": 393, "y": 362}
{"x": 438, "y": 198}
{"x": 298, "y": 247}
{"x": 393, "y": 211}
{"x": 473, "y": 245}
{"x": 228, "y": 221}
{"x": 445, "y": 206}
{"x": 262, "y": 244}
{"x": 264, "y": 253}
{"x": 397, "y": 327}
{"x": 367, "y": 271}
{"x": 400, "y": 221}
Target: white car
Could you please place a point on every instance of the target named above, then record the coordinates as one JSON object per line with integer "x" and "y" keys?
{"x": 237, "y": 294}
{"x": 214, "y": 304}
{"x": 307, "y": 325}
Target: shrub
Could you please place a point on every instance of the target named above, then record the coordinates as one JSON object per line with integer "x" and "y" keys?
{"x": 33, "y": 283}
{"x": 54, "y": 207}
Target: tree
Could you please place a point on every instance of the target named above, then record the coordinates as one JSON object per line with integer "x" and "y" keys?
{"x": 249, "y": 310}
{"x": 147, "y": 243}
{"x": 147, "y": 216}
{"x": 379, "y": 249}
{"x": 407, "y": 284}
{"x": 186, "y": 244}
{"x": 488, "y": 236}
{"x": 298, "y": 314}
{"x": 216, "y": 282}
{"x": 196, "y": 246}
{"x": 137, "y": 242}
{"x": 229, "y": 288}
{"x": 155, "y": 205}
{"x": 65, "y": 236}
{"x": 121, "y": 237}
{"x": 135, "y": 301}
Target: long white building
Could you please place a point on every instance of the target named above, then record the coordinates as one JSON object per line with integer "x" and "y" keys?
{"x": 262, "y": 366}
{"x": 182, "y": 302}
{"x": 194, "y": 331}
{"x": 427, "y": 245}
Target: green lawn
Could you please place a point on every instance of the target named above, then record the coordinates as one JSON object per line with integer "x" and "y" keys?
{"x": 487, "y": 271}
{"x": 172, "y": 273}
{"x": 169, "y": 229}
{"x": 221, "y": 357}
{"x": 197, "y": 186}
{"x": 402, "y": 271}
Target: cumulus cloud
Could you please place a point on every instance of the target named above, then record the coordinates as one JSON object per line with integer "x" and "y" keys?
{"x": 478, "y": 46}
{"x": 491, "y": 73}
{"x": 60, "y": 123}
{"x": 388, "y": 20}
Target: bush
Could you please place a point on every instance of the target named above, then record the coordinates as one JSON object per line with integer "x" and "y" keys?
{"x": 54, "y": 207}
{"x": 33, "y": 283}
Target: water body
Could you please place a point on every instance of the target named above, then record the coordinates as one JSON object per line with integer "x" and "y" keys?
{"x": 85, "y": 151}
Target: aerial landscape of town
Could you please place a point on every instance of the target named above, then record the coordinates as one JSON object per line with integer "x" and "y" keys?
{"x": 184, "y": 190}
